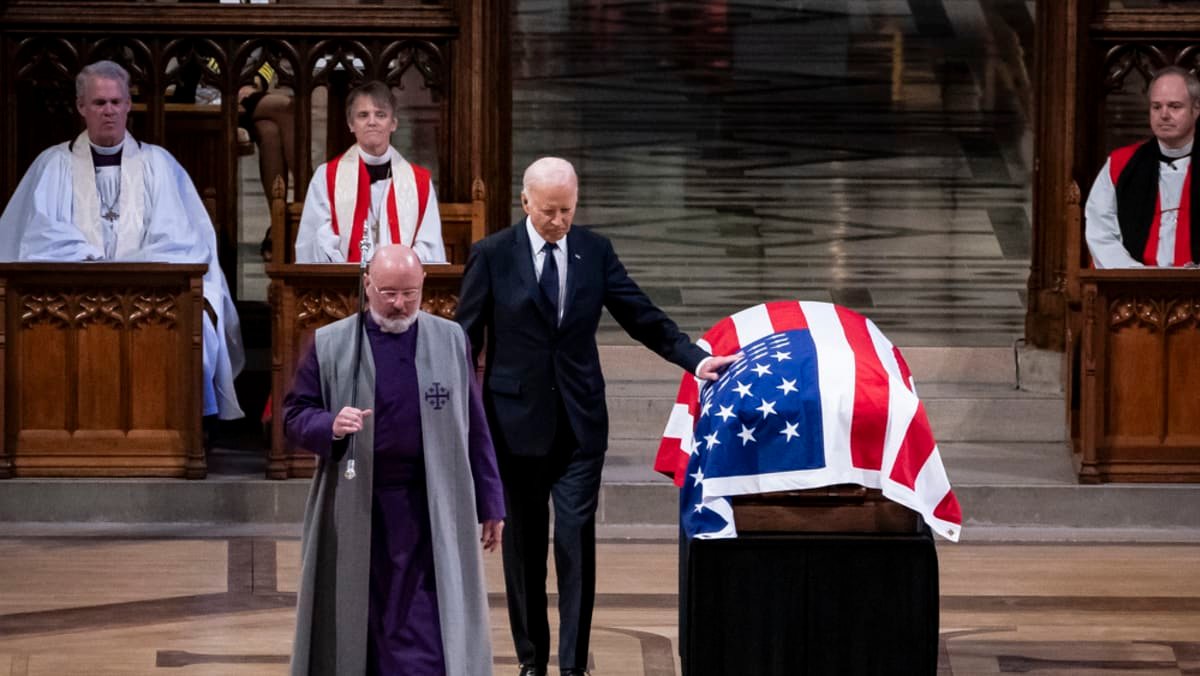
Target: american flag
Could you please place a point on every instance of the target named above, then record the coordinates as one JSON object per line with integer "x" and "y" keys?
{"x": 820, "y": 397}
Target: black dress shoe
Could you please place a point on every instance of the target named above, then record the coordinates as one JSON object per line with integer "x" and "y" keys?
{"x": 532, "y": 670}
{"x": 574, "y": 672}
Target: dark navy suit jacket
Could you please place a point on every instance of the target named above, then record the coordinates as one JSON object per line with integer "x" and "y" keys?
{"x": 532, "y": 363}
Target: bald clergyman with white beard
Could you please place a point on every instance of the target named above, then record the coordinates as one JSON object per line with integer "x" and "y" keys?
{"x": 106, "y": 196}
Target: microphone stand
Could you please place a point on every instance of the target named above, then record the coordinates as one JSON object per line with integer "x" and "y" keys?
{"x": 364, "y": 247}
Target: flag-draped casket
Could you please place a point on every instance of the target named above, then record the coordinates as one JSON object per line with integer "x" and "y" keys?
{"x": 821, "y": 397}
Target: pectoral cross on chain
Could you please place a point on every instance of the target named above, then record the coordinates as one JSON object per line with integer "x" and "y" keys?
{"x": 373, "y": 235}
{"x": 110, "y": 209}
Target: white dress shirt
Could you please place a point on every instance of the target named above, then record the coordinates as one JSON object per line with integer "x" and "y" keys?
{"x": 539, "y": 259}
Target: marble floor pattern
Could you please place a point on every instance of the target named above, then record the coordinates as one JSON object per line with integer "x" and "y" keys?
{"x": 224, "y": 606}
{"x": 872, "y": 154}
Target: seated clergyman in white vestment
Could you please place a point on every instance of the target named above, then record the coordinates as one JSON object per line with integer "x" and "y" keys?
{"x": 108, "y": 197}
{"x": 369, "y": 191}
{"x": 1139, "y": 212}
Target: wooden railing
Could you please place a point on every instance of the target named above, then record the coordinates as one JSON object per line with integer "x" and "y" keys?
{"x": 463, "y": 223}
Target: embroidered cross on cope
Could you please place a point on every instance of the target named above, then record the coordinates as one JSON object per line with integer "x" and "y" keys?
{"x": 437, "y": 396}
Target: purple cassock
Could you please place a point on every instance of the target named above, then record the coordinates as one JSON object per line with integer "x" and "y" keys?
{"x": 404, "y": 632}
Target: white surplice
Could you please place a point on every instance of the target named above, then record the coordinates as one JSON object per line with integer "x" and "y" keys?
{"x": 57, "y": 214}
{"x": 1103, "y": 232}
{"x": 316, "y": 242}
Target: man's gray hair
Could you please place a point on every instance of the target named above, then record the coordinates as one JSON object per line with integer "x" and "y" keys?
{"x": 377, "y": 92}
{"x": 107, "y": 70}
{"x": 1189, "y": 80}
{"x": 549, "y": 171}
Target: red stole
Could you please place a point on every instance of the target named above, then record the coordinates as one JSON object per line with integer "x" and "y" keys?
{"x": 1183, "y": 220}
{"x": 362, "y": 205}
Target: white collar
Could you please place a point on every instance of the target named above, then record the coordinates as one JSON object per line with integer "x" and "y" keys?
{"x": 1175, "y": 153}
{"x": 109, "y": 150}
{"x": 537, "y": 242}
{"x": 375, "y": 159}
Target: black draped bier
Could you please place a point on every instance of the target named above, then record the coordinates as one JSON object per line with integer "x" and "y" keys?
{"x": 800, "y": 604}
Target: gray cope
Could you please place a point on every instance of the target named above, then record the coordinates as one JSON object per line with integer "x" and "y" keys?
{"x": 331, "y": 606}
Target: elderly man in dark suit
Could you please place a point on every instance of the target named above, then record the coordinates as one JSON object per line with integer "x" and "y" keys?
{"x": 533, "y": 293}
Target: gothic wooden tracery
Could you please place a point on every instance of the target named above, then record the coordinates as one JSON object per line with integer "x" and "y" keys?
{"x": 454, "y": 51}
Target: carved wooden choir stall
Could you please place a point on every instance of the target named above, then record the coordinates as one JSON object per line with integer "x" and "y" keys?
{"x": 1140, "y": 368}
{"x": 102, "y": 369}
{"x": 1132, "y": 337}
{"x": 447, "y": 60}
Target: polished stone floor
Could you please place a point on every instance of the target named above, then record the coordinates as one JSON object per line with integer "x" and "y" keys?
{"x": 872, "y": 154}
{"x": 224, "y": 607}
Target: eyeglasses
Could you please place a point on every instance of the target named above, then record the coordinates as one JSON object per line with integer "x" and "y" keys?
{"x": 390, "y": 295}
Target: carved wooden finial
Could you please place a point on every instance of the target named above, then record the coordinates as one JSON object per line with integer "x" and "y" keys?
{"x": 478, "y": 192}
{"x": 278, "y": 189}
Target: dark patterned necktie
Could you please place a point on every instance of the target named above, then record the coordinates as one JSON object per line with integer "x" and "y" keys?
{"x": 549, "y": 280}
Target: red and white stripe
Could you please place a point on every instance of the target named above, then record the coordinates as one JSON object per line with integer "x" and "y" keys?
{"x": 876, "y": 433}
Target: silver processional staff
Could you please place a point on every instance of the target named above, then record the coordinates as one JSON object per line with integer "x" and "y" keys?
{"x": 364, "y": 249}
